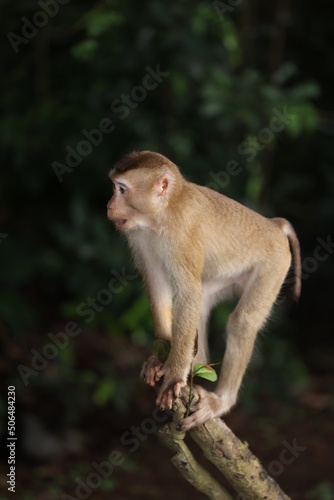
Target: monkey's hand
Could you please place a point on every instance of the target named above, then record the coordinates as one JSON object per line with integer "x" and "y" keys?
{"x": 208, "y": 406}
{"x": 150, "y": 369}
{"x": 171, "y": 386}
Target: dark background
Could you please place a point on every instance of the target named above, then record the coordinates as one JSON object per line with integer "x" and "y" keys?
{"x": 228, "y": 67}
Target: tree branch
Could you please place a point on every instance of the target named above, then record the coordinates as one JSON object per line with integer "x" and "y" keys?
{"x": 231, "y": 457}
{"x": 185, "y": 462}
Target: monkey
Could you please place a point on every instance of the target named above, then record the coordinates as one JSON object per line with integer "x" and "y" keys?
{"x": 195, "y": 248}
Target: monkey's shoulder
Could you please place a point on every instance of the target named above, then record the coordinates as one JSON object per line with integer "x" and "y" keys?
{"x": 223, "y": 205}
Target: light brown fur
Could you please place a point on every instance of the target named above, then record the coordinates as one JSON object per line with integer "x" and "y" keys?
{"x": 194, "y": 248}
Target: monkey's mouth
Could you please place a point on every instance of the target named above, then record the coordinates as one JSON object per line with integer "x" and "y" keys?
{"x": 120, "y": 223}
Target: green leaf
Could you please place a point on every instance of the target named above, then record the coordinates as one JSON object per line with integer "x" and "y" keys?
{"x": 108, "y": 485}
{"x": 100, "y": 21}
{"x": 105, "y": 390}
{"x": 304, "y": 117}
{"x": 205, "y": 371}
{"x": 284, "y": 73}
{"x": 85, "y": 50}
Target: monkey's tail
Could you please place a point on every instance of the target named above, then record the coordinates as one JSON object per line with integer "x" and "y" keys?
{"x": 294, "y": 243}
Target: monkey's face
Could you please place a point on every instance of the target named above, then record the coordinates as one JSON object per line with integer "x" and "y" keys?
{"x": 140, "y": 197}
{"x": 131, "y": 204}
{"x": 119, "y": 209}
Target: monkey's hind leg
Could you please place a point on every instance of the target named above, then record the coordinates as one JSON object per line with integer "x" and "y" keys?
{"x": 202, "y": 355}
{"x": 211, "y": 296}
{"x": 249, "y": 316}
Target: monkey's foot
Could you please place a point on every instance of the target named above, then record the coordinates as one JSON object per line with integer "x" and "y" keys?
{"x": 150, "y": 369}
{"x": 208, "y": 406}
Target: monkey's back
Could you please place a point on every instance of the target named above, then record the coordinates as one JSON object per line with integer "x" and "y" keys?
{"x": 242, "y": 237}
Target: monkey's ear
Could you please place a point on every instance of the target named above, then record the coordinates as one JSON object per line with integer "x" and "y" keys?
{"x": 164, "y": 184}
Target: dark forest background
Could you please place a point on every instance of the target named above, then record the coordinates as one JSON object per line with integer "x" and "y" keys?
{"x": 75, "y": 324}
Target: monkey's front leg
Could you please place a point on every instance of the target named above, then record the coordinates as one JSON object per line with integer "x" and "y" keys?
{"x": 185, "y": 321}
{"x": 176, "y": 369}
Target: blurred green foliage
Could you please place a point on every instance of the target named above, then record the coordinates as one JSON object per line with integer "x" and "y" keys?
{"x": 324, "y": 491}
{"x": 215, "y": 102}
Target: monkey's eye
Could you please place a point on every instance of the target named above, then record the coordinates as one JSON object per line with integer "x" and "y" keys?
{"x": 120, "y": 188}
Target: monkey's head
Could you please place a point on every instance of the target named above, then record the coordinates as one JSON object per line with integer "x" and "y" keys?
{"x": 143, "y": 183}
